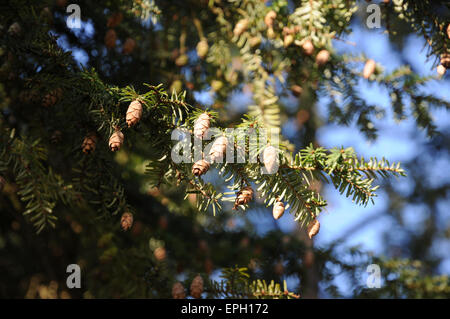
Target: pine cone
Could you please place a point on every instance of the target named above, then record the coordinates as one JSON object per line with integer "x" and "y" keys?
{"x": 244, "y": 196}
{"x": 116, "y": 141}
{"x": 51, "y": 98}
{"x": 270, "y": 33}
{"x": 308, "y": 47}
{"x": 200, "y": 167}
{"x": 178, "y": 291}
{"x": 126, "y": 221}
{"x": 2, "y": 183}
{"x": 89, "y": 143}
{"x": 445, "y": 60}
{"x": 202, "y": 48}
{"x": 218, "y": 149}
{"x": 270, "y": 159}
{"x": 369, "y": 68}
{"x": 441, "y": 70}
{"x": 128, "y": 46}
{"x": 134, "y": 113}
{"x": 14, "y": 29}
{"x": 197, "y": 287}
{"x": 160, "y": 253}
{"x": 322, "y": 57}
{"x": 270, "y": 18}
{"x": 110, "y": 39}
{"x": 182, "y": 60}
{"x": 240, "y": 27}
{"x": 296, "y": 90}
{"x": 288, "y": 40}
{"x": 255, "y": 41}
{"x": 313, "y": 228}
{"x": 278, "y": 210}
{"x": 201, "y": 125}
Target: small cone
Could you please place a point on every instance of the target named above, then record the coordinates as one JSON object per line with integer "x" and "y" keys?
{"x": 369, "y": 68}
{"x": 255, "y": 41}
{"x": 200, "y": 167}
{"x": 308, "y": 47}
{"x": 182, "y": 60}
{"x": 240, "y": 27}
{"x": 116, "y": 141}
{"x": 270, "y": 18}
{"x": 201, "y": 125}
{"x": 202, "y": 48}
{"x": 126, "y": 221}
{"x": 134, "y": 113}
{"x": 218, "y": 149}
{"x": 288, "y": 40}
{"x": 270, "y": 33}
{"x": 160, "y": 253}
{"x": 270, "y": 159}
{"x": 313, "y": 228}
{"x": 51, "y": 98}
{"x": 445, "y": 60}
{"x": 441, "y": 70}
{"x": 197, "y": 287}
{"x": 278, "y": 210}
{"x": 14, "y": 29}
{"x": 128, "y": 46}
{"x": 178, "y": 291}
{"x": 110, "y": 39}
{"x": 322, "y": 57}
{"x": 296, "y": 90}
{"x": 244, "y": 196}
{"x": 89, "y": 143}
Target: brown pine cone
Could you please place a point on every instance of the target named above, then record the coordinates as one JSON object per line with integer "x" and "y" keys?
{"x": 126, "y": 221}
{"x": 270, "y": 159}
{"x": 182, "y": 60}
{"x": 278, "y": 210}
{"x": 116, "y": 141}
{"x": 243, "y": 197}
{"x": 308, "y": 47}
{"x": 369, "y": 68}
{"x": 52, "y": 97}
{"x": 445, "y": 60}
{"x": 202, "y": 48}
{"x": 201, "y": 125}
{"x": 322, "y": 57}
{"x": 296, "y": 90}
{"x": 441, "y": 70}
{"x": 178, "y": 291}
{"x": 270, "y": 18}
{"x": 2, "y": 183}
{"x": 288, "y": 40}
{"x": 313, "y": 228}
{"x": 200, "y": 167}
{"x": 197, "y": 287}
{"x": 128, "y": 46}
{"x": 240, "y": 27}
{"x": 218, "y": 149}
{"x": 160, "y": 253}
{"x": 134, "y": 113}
{"x": 89, "y": 143}
{"x": 110, "y": 39}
